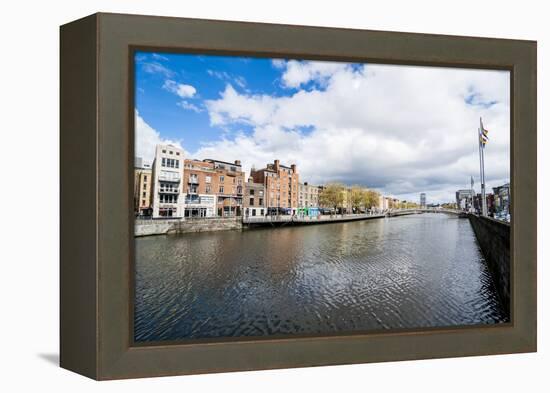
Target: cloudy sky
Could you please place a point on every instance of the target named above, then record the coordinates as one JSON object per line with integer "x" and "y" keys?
{"x": 399, "y": 129}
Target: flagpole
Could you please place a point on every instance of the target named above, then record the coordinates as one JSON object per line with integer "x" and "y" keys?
{"x": 480, "y": 166}
{"x": 482, "y": 170}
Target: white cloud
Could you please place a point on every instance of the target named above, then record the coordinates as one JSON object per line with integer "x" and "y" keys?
{"x": 401, "y": 129}
{"x": 229, "y": 78}
{"x": 298, "y": 73}
{"x": 147, "y": 138}
{"x": 182, "y": 90}
{"x": 154, "y": 67}
{"x": 189, "y": 106}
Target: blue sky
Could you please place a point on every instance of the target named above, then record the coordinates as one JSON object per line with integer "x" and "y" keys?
{"x": 209, "y": 75}
{"x": 399, "y": 129}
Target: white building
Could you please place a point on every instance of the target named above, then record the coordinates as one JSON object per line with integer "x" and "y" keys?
{"x": 200, "y": 205}
{"x": 168, "y": 191}
{"x": 384, "y": 202}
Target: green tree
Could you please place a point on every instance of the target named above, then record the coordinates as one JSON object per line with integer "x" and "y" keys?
{"x": 332, "y": 195}
{"x": 357, "y": 197}
{"x": 371, "y": 198}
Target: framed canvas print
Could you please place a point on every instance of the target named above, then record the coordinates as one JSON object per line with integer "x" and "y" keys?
{"x": 241, "y": 196}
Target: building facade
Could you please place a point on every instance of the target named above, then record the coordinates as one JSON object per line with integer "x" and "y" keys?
{"x": 308, "y": 195}
{"x": 464, "y": 199}
{"x": 200, "y": 182}
{"x": 229, "y": 188}
{"x": 423, "y": 200}
{"x": 168, "y": 195}
{"x": 502, "y": 199}
{"x": 142, "y": 188}
{"x": 212, "y": 188}
{"x": 281, "y": 187}
{"x": 384, "y": 202}
{"x": 490, "y": 198}
{"x": 254, "y": 199}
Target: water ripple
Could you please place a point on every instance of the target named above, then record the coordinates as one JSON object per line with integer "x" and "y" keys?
{"x": 406, "y": 272}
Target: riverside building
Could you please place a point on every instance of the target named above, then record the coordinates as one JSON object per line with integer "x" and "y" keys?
{"x": 281, "y": 187}
{"x": 168, "y": 196}
{"x": 502, "y": 199}
{"x": 142, "y": 188}
{"x": 213, "y": 188}
{"x": 200, "y": 181}
{"x": 229, "y": 187}
{"x": 464, "y": 199}
{"x": 308, "y": 195}
{"x": 254, "y": 199}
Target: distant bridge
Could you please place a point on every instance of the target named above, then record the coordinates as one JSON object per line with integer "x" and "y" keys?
{"x": 404, "y": 212}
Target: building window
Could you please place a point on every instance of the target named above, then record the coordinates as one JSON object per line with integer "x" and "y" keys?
{"x": 208, "y": 179}
{"x": 261, "y": 201}
{"x": 221, "y": 189}
{"x": 208, "y": 189}
{"x": 143, "y": 202}
{"x": 251, "y": 192}
{"x": 222, "y": 178}
{"x": 233, "y": 169}
{"x": 144, "y": 194}
{"x": 145, "y": 178}
{"x": 251, "y": 202}
{"x": 164, "y": 151}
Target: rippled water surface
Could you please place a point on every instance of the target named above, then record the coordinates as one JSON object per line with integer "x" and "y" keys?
{"x": 404, "y": 272}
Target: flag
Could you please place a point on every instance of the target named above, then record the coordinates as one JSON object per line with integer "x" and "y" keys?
{"x": 483, "y": 134}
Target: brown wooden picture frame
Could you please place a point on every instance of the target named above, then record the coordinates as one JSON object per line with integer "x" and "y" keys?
{"x": 96, "y": 266}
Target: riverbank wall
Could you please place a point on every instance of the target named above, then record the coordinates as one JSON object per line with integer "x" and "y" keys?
{"x": 189, "y": 225}
{"x": 493, "y": 237}
{"x": 274, "y": 221}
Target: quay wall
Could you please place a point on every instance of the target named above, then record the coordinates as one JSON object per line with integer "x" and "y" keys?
{"x": 493, "y": 237}
{"x": 163, "y": 227}
{"x": 297, "y": 220}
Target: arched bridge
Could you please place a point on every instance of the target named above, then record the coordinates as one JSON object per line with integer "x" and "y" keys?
{"x": 403, "y": 212}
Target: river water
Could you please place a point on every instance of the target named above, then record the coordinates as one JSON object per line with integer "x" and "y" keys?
{"x": 412, "y": 271}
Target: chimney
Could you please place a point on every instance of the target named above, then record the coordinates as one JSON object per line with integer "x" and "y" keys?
{"x": 238, "y": 162}
{"x": 276, "y": 164}
{"x": 293, "y": 167}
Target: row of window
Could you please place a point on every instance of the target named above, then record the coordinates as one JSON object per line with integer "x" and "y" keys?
{"x": 260, "y": 192}
{"x": 231, "y": 168}
{"x": 168, "y": 198}
{"x": 208, "y": 179}
{"x": 168, "y": 187}
{"x": 252, "y": 212}
{"x": 171, "y": 152}
{"x": 170, "y": 162}
{"x": 260, "y": 202}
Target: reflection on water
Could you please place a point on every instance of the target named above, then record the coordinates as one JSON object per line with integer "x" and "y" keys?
{"x": 403, "y": 272}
